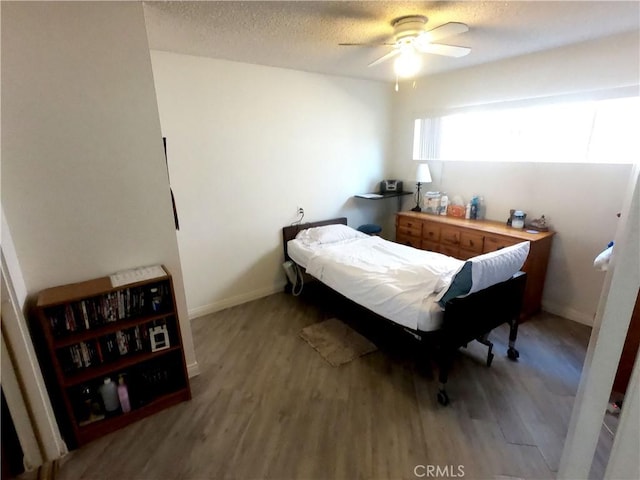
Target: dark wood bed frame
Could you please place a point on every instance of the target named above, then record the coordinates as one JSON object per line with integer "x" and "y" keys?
{"x": 465, "y": 319}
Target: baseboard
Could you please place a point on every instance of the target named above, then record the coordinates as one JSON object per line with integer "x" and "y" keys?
{"x": 568, "y": 313}
{"x": 236, "y": 300}
{"x": 193, "y": 369}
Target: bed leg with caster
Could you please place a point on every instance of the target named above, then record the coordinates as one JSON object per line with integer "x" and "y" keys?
{"x": 513, "y": 353}
{"x": 445, "y": 361}
{"x": 443, "y": 398}
{"x": 485, "y": 341}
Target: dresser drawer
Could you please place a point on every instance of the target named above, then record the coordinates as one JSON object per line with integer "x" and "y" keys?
{"x": 411, "y": 240}
{"x": 431, "y": 232}
{"x": 407, "y": 231}
{"x": 494, "y": 242}
{"x": 450, "y": 250}
{"x": 431, "y": 246}
{"x": 450, "y": 236}
{"x": 472, "y": 242}
{"x": 410, "y": 223}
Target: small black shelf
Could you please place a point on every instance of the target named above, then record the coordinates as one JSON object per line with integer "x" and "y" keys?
{"x": 380, "y": 196}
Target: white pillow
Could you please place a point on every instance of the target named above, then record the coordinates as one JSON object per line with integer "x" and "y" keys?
{"x": 499, "y": 266}
{"x": 329, "y": 234}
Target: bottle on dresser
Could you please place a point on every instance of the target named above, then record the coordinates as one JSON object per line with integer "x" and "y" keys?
{"x": 444, "y": 203}
{"x": 475, "y": 202}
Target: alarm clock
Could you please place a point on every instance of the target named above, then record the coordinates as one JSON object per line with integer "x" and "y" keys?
{"x": 390, "y": 186}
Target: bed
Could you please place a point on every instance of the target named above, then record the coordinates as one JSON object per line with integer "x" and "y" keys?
{"x": 443, "y": 301}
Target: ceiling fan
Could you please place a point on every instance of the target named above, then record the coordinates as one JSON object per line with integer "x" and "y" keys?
{"x": 410, "y": 39}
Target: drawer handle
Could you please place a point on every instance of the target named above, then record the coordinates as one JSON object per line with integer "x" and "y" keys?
{"x": 471, "y": 243}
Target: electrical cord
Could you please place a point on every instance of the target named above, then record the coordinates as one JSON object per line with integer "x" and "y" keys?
{"x": 299, "y": 281}
{"x": 299, "y": 220}
{"x": 296, "y": 288}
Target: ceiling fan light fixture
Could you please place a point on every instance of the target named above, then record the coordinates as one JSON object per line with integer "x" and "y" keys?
{"x": 423, "y": 39}
{"x": 408, "y": 63}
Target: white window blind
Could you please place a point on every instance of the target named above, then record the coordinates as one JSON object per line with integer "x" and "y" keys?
{"x": 602, "y": 131}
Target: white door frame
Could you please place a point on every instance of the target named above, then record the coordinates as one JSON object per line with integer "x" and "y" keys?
{"x": 605, "y": 347}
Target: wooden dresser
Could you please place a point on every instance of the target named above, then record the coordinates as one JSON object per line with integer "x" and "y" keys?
{"x": 464, "y": 239}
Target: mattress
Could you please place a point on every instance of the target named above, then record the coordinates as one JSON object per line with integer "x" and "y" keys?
{"x": 395, "y": 281}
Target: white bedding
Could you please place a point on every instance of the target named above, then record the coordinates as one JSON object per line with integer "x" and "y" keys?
{"x": 395, "y": 281}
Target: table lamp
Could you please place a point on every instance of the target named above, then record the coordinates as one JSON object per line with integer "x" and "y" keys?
{"x": 423, "y": 175}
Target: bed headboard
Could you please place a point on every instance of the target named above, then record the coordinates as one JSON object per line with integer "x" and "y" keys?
{"x": 290, "y": 232}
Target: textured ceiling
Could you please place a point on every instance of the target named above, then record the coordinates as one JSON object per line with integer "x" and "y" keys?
{"x": 304, "y": 35}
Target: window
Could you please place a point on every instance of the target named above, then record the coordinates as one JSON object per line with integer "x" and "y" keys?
{"x": 599, "y": 131}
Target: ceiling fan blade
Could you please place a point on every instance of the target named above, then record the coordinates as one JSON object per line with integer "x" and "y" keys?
{"x": 385, "y": 57}
{"x": 446, "y": 50}
{"x": 446, "y": 30}
{"x": 366, "y": 44}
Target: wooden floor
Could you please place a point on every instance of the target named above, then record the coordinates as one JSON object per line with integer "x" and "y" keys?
{"x": 267, "y": 406}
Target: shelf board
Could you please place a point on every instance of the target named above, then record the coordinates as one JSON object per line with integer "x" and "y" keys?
{"x": 92, "y": 372}
{"x": 75, "y": 292}
{"x": 380, "y": 196}
{"x": 107, "y": 328}
{"x": 99, "y": 428}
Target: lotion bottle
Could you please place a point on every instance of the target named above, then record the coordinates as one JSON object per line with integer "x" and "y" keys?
{"x": 123, "y": 395}
{"x": 109, "y": 395}
{"x": 444, "y": 203}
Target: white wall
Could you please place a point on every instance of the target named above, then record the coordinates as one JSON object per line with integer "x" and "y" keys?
{"x": 246, "y": 146}
{"x": 84, "y": 183}
{"x": 581, "y": 201}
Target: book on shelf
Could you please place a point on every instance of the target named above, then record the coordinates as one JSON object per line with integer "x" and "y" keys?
{"x": 94, "y": 312}
{"x": 104, "y": 349}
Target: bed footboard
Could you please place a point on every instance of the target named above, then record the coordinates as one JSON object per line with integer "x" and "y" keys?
{"x": 473, "y": 317}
